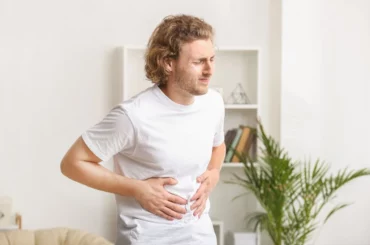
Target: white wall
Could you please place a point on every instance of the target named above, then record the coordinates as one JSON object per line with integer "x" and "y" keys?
{"x": 59, "y": 74}
{"x": 325, "y": 100}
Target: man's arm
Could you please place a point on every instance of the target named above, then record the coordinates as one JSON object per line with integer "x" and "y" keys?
{"x": 208, "y": 179}
{"x": 82, "y": 165}
{"x": 218, "y": 157}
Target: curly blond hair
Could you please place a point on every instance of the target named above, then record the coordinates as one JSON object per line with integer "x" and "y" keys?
{"x": 166, "y": 42}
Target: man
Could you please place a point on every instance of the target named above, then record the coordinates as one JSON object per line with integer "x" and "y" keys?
{"x": 167, "y": 143}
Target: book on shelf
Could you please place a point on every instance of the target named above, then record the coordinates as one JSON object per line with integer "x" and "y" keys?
{"x": 240, "y": 140}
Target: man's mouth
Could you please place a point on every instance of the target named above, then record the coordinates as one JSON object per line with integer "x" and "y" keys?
{"x": 204, "y": 80}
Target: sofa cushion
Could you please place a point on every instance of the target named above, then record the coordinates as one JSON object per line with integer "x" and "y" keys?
{"x": 55, "y": 236}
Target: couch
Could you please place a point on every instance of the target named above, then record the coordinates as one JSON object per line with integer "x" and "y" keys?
{"x": 54, "y": 236}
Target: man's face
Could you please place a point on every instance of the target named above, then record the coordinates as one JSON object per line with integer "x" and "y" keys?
{"x": 194, "y": 67}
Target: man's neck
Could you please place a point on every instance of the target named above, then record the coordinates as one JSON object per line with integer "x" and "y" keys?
{"x": 177, "y": 94}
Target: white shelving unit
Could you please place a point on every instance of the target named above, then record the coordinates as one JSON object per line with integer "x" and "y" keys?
{"x": 234, "y": 65}
{"x": 218, "y": 226}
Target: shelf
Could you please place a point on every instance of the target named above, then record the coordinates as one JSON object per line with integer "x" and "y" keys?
{"x": 241, "y": 106}
{"x": 232, "y": 165}
{"x": 217, "y": 222}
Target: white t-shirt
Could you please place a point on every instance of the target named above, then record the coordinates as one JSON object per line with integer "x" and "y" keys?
{"x": 149, "y": 136}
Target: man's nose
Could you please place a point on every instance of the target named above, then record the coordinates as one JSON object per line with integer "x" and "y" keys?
{"x": 208, "y": 69}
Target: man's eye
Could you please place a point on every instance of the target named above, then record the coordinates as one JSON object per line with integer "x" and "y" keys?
{"x": 198, "y": 62}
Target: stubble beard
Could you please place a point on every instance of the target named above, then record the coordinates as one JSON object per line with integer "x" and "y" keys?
{"x": 190, "y": 84}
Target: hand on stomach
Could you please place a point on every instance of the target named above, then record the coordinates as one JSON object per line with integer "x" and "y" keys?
{"x": 165, "y": 197}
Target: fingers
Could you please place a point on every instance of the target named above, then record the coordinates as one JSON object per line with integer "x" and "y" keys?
{"x": 169, "y": 181}
{"x": 203, "y": 177}
{"x": 200, "y": 191}
{"x": 168, "y": 205}
{"x": 171, "y": 197}
{"x": 171, "y": 213}
{"x": 163, "y": 215}
{"x": 198, "y": 202}
{"x": 199, "y": 211}
{"x": 175, "y": 207}
{"x": 167, "y": 210}
{"x": 198, "y": 207}
{"x": 177, "y": 199}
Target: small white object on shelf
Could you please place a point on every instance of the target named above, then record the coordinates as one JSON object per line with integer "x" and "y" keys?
{"x": 238, "y": 96}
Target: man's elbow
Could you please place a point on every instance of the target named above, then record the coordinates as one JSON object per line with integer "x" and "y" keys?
{"x": 65, "y": 166}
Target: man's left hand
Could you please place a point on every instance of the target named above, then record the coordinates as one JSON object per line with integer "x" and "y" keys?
{"x": 208, "y": 181}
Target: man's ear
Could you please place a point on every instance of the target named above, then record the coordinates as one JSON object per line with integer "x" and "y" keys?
{"x": 168, "y": 65}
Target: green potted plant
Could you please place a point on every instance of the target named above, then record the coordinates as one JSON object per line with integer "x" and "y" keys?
{"x": 292, "y": 194}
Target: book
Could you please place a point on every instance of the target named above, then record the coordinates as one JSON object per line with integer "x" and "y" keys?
{"x": 230, "y": 152}
{"x": 240, "y": 148}
{"x": 229, "y": 137}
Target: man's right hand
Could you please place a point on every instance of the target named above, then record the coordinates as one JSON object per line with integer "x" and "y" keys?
{"x": 153, "y": 197}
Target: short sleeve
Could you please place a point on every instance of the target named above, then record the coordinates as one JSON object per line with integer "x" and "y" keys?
{"x": 219, "y": 134}
{"x": 114, "y": 133}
